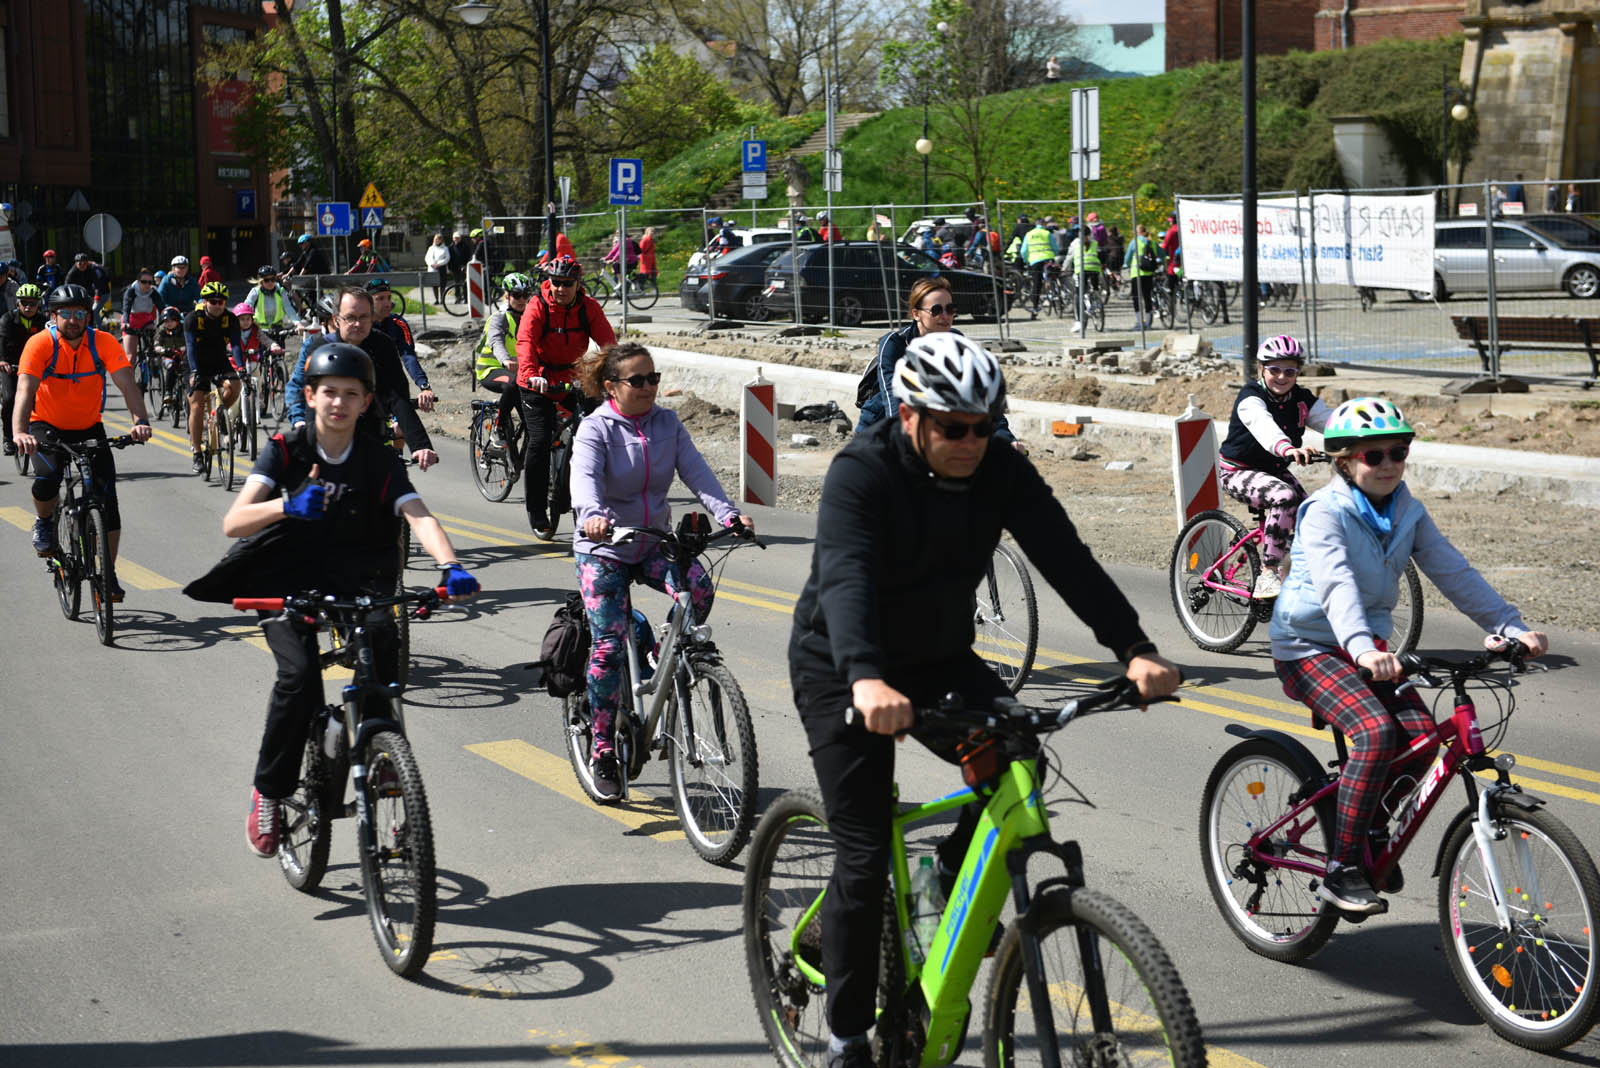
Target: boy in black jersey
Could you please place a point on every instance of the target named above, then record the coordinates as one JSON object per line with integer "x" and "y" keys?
{"x": 321, "y": 511}
{"x": 211, "y": 333}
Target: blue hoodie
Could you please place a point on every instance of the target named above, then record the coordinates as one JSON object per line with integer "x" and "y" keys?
{"x": 622, "y": 468}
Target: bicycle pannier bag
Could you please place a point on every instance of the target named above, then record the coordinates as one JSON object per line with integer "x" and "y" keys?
{"x": 564, "y": 653}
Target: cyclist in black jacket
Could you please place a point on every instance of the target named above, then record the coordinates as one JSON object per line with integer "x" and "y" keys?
{"x": 910, "y": 515}
{"x": 16, "y": 327}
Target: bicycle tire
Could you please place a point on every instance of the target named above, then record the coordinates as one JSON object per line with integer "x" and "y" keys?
{"x": 249, "y": 413}
{"x": 1006, "y": 618}
{"x": 400, "y": 305}
{"x": 491, "y": 464}
{"x": 97, "y": 573}
{"x": 715, "y": 787}
{"x": 1153, "y": 1017}
{"x": 67, "y": 576}
{"x": 789, "y": 865}
{"x": 643, "y": 293}
{"x": 398, "y": 875}
{"x": 401, "y": 613}
{"x": 1214, "y": 620}
{"x": 579, "y": 729}
{"x": 599, "y": 288}
{"x": 1210, "y": 305}
{"x": 1166, "y": 307}
{"x": 306, "y": 814}
{"x": 1535, "y": 984}
{"x": 24, "y": 461}
{"x": 225, "y": 435}
{"x": 1406, "y": 617}
{"x": 1249, "y": 788}
{"x": 178, "y": 401}
{"x": 152, "y": 385}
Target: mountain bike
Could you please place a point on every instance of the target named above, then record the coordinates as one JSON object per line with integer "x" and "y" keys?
{"x": 271, "y": 377}
{"x": 569, "y": 413}
{"x": 1078, "y": 979}
{"x": 245, "y": 416}
{"x": 173, "y": 404}
{"x": 363, "y": 741}
{"x": 83, "y": 547}
{"x": 1006, "y": 618}
{"x": 681, "y": 701}
{"x": 1212, "y": 576}
{"x": 216, "y": 440}
{"x": 496, "y": 459}
{"x": 1519, "y": 897}
{"x": 143, "y": 356}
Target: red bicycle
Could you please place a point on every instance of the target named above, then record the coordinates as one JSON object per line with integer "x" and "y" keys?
{"x": 1519, "y": 896}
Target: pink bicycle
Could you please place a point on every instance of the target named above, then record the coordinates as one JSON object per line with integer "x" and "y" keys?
{"x": 1518, "y": 893}
{"x": 1213, "y": 569}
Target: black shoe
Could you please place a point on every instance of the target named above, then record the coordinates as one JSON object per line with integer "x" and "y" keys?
{"x": 1348, "y": 890}
{"x": 855, "y": 1055}
{"x": 11, "y": 448}
{"x": 607, "y": 780}
{"x": 197, "y": 463}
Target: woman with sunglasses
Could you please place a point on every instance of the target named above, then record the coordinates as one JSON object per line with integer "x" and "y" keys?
{"x": 624, "y": 457}
{"x": 1355, "y": 536}
{"x": 933, "y": 311}
{"x": 1264, "y": 434}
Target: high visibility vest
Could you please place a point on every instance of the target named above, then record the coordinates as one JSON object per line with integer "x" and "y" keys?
{"x": 1086, "y": 257}
{"x": 1036, "y": 246}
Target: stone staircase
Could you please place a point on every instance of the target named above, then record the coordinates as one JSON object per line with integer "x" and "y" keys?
{"x": 731, "y": 195}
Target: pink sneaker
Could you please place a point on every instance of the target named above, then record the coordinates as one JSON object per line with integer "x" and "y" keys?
{"x": 261, "y": 825}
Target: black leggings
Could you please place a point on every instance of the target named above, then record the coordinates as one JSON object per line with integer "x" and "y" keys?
{"x": 539, "y": 418}
{"x": 503, "y": 382}
{"x": 50, "y": 467}
{"x": 855, "y": 770}
{"x": 8, "y": 398}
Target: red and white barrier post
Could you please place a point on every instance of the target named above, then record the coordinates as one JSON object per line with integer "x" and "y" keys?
{"x": 1194, "y": 463}
{"x": 758, "y": 427}
{"x": 477, "y": 299}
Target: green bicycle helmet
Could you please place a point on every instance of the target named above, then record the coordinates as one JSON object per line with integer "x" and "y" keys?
{"x": 1363, "y": 418}
{"x": 29, "y": 291}
{"x": 213, "y": 289}
{"x": 518, "y": 285}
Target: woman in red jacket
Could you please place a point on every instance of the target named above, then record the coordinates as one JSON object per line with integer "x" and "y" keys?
{"x": 554, "y": 333}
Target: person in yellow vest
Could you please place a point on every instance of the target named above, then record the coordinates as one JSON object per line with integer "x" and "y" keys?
{"x": 1036, "y": 252}
{"x": 1142, "y": 262}
{"x": 496, "y": 367}
{"x": 1084, "y": 253}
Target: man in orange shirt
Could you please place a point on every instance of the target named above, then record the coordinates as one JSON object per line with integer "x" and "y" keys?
{"x": 61, "y": 383}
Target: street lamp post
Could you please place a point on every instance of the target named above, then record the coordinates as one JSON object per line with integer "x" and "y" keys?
{"x": 476, "y": 13}
{"x": 1453, "y": 101}
{"x": 924, "y": 146}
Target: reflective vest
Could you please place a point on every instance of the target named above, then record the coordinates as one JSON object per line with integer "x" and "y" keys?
{"x": 487, "y": 361}
{"x": 274, "y": 300}
{"x": 1036, "y": 246}
{"x": 1141, "y": 246}
{"x": 1086, "y": 256}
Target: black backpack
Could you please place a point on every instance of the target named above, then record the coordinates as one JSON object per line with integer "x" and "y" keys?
{"x": 564, "y": 653}
{"x": 1147, "y": 256}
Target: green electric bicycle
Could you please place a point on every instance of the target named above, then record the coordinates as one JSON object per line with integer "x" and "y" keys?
{"x": 1078, "y": 979}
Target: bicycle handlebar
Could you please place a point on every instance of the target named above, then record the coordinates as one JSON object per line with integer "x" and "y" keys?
{"x": 1010, "y": 716}
{"x": 1515, "y": 654}
{"x": 617, "y": 534}
{"x": 316, "y": 603}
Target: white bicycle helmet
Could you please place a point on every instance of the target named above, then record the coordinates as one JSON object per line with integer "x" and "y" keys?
{"x": 946, "y": 372}
{"x": 1281, "y": 347}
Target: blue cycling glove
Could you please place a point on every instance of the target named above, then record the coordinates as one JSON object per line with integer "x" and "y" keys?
{"x": 458, "y": 581}
{"x": 310, "y": 503}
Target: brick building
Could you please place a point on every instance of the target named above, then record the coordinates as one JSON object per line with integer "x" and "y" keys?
{"x": 1202, "y": 31}
{"x": 1361, "y": 22}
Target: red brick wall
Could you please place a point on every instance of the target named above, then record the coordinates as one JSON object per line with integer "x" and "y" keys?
{"x": 1377, "y": 20}
{"x": 1202, "y": 31}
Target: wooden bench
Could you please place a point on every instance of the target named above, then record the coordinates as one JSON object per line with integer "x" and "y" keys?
{"x": 1536, "y": 332}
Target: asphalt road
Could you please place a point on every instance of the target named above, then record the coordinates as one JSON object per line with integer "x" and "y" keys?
{"x": 140, "y": 931}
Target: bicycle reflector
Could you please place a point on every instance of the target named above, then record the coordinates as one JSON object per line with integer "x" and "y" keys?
{"x": 980, "y": 759}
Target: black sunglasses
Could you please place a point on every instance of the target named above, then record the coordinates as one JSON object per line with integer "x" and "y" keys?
{"x": 1374, "y": 457}
{"x": 640, "y": 381}
{"x": 563, "y": 283}
{"x": 956, "y": 431}
{"x": 940, "y": 309}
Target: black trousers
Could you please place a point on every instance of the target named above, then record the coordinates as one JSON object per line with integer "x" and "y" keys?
{"x": 855, "y": 770}
{"x": 504, "y": 383}
{"x": 8, "y": 398}
{"x": 539, "y": 417}
{"x": 297, "y": 695}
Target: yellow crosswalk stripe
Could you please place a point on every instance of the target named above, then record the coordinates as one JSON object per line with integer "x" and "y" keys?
{"x": 641, "y": 814}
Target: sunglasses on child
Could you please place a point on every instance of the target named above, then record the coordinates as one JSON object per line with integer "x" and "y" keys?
{"x": 1273, "y": 369}
{"x": 640, "y": 381}
{"x": 1374, "y": 457}
{"x": 956, "y": 431}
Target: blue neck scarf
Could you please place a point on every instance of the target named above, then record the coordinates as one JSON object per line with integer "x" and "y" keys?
{"x": 1381, "y": 520}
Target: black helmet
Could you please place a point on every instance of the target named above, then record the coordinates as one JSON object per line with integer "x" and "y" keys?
{"x": 338, "y": 359}
{"x": 378, "y": 285}
{"x": 171, "y": 314}
{"x": 73, "y": 296}
{"x": 266, "y": 270}
{"x": 1023, "y": 220}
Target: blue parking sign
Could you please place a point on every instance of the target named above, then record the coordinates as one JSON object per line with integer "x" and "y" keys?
{"x": 755, "y": 157}
{"x": 627, "y": 181}
{"x": 244, "y": 203}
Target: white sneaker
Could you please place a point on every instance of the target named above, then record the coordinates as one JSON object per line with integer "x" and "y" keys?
{"x": 1268, "y": 585}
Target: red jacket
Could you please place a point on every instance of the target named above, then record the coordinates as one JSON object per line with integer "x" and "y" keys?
{"x": 551, "y": 338}
{"x": 208, "y": 275}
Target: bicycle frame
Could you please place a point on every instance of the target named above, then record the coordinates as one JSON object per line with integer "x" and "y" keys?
{"x": 1463, "y": 753}
{"x": 1013, "y": 825}
{"x": 358, "y": 727}
{"x": 1228, "y": 563}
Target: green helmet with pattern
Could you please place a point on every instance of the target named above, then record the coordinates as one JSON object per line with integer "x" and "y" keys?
{"x": 1363, "y": 418}
{"x": 29, "y": 291}
{"x": 212, "y": 290}
{"x": 518, "y": 285}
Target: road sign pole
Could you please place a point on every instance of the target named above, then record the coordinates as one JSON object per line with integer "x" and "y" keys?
{"x": 622, "y": 263}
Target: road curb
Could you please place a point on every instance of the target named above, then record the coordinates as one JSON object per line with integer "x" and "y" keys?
{"x": 1437, "y": 466}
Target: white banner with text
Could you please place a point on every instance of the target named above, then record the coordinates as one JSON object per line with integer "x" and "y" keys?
{"x": 1385, "y": 242}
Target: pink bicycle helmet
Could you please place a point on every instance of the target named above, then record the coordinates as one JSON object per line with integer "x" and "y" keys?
{"x": 243, "y": 308}
{"x": 1281, "y": 347}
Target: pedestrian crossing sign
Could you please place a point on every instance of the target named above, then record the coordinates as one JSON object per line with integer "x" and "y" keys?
{"x": 372, "y": 198}
{"x": 372, "y": 218}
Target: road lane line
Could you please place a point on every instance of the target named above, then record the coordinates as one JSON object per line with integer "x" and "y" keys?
{"x": 158, "y": 439}
{"x": 141, "y": 577}
{"x": 253, "y": 636}
{"x": 768, "y": 590}
{"x": 554, "y": 773}
{"x": 756, "y": 602}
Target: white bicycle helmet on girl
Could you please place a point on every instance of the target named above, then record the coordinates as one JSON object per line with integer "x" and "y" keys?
{"x": 947, "y": 372}
{"x": 1281, "y": 347}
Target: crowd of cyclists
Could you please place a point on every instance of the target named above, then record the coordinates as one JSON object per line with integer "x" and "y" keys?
{"x": 910, "y": 514}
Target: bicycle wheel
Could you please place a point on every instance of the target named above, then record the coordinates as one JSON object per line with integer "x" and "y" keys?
{"x": 1006, "y": 618}
{"x": 272, "y": 387}
{"x": 598, "y": 287}
{"x": 66, "y": 568}
{"x": 1406, "y": 618}
{"x": 643, "y": 292}
{"x": 453, "y": 298}
{"x": 152, "y": 385}
{"x": 491, "y": 462}
{"x": 1207, "y": 555}
{"x": 307, "y": 814}
{"x": 179, "y": 406}
{"x": 1210, "y": 304}
{"x": 1534, "y": 984}
{"x": 398, "y": 872}
{"x": 1167, "y": 307}
{"x": 1081, "y": 933}
{"x": 790, "y": 862}
{"x": 224, "y": 450}
{"x": 400, "y": 612}
{"x": 1275, "y": 911}
{"x": 247, "y": 421}
{"x": 1097, "y": 311}
{"x": 96, "y": 561}
{"x": 711, "y": 758}
{"x": 580, "y": 739}
{"x": 399, "y": 301}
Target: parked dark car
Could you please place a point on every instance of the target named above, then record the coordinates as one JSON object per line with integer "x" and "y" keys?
{"x": 733, "y": 282}
{"x": 871, "y": 281}
{"x": 1569, "y": 231}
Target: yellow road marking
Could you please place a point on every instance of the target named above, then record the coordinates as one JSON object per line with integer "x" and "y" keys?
{"x": 141, "y": 577}
{"x": 554, "y": 773}
{"x": 1139, "y": 1028}
{"x": 783, "y": 609}
{"x": 768, "y": 590}
{"x": 161, "y": 438}
{"x": 17, "y": 517}
{"x": 520, "y": 536}
{"x": 253, "y": 636}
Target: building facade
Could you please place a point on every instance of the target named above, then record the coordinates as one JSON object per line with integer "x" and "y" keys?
{"x": 100, "y": 112}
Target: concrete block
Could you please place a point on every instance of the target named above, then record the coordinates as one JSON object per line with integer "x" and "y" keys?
{"x": 1120, "y": 465}
{"x": 804, "y": 440}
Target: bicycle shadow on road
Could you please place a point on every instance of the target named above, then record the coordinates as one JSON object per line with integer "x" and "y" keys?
{"x": 144, "y": 630}
{"x": 1399, "y": 963}
{"x": 445, "y": 682}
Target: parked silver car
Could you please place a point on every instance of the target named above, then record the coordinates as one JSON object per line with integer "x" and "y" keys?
{"x": 1524, "y": 259}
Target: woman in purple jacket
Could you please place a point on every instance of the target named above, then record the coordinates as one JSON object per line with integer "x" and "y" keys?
{"x": 623, "y": 459}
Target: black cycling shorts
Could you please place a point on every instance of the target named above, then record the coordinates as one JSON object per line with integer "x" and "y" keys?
{"x": 212, "y": 374}
{"x": 50, "y": 466}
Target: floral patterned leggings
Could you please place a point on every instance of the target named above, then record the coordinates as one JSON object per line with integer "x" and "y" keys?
{"x": 1279, "y": 497}
{"x": 603, "y": 582}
